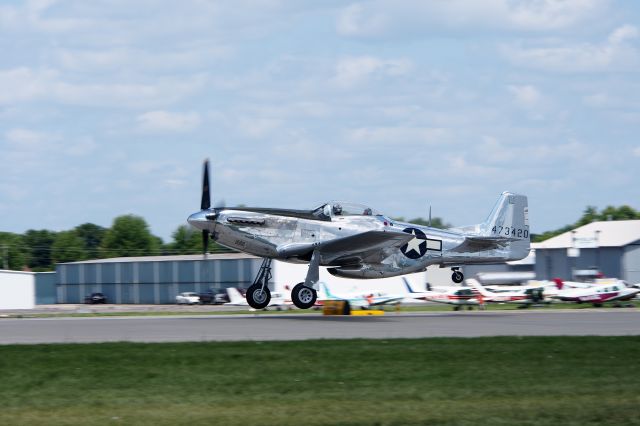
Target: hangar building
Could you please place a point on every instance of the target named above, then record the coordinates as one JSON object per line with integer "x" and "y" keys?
{"x": 152, "y": 279}
{"x": 158, "y": 279}
{"x": 612, "y": 247}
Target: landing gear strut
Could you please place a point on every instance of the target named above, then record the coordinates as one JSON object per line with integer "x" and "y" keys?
{"x": 258, "y": 294}
{"x": 457, "y": 276}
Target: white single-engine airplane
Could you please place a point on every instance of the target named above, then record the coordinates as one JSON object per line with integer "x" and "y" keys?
{"x": 360, "y": 299}
{"x": 458, "y": 297}
{"x": 357, "y": 242}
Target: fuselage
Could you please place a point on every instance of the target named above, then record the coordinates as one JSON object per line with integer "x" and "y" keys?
{"x": 290, "y": 235}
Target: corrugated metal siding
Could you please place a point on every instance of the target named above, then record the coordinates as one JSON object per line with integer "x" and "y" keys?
{"x": 45, "y": 288}
{"x": 150, "y": 282}
{"x": 631, "y": 264}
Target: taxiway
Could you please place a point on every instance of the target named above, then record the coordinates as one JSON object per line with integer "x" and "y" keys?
{"x": 604, "y": 322}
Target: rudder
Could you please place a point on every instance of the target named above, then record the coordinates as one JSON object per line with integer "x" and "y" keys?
{"x": 510, "y": 219}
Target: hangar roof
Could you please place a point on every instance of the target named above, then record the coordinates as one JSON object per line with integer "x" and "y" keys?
{"x": 617, "y": 233}
{"x": 210, "y": 256}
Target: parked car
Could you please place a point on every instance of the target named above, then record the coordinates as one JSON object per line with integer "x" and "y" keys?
{"x": 95, "y": 298}
{"x": 188, "y": 298}
{"x": 214, "y": 296}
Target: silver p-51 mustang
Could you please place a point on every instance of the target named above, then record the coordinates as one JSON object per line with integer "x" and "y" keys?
{"x": 356, "y": 241}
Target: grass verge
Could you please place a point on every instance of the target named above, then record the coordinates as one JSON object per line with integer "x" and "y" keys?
{"x": 492, "y": 381}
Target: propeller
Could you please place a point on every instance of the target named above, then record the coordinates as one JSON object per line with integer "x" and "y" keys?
{"x": 205, "y": 204}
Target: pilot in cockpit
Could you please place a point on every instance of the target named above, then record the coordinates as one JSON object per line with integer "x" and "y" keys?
{"x": 367, "y": 212}
{"x": 337, "y": 209}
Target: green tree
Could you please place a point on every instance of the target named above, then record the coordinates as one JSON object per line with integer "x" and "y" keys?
{"x": 129, "y": 236}
{"x": 92, "y": 236}
{"x": 68, "y": 247}
{"x": 188, "y": 240}
{"x": 589, "y": 215}
{"x": 12, "y": 246}
{"x": 38, "y": 244}
{"x": 436, "y": 222}
{"x": 618, "y": 213}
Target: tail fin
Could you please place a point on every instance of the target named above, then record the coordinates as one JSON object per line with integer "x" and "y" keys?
{"x": 234, "y": 296}
{"x": 559, "y": 283}
{"x": 408, "y": 286}
{"x": 475, "y": 284}
{"x": 327, "y": 292}
{"x": 510, "y": 219}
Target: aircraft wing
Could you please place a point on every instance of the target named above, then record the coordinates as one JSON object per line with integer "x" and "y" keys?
{"x": 478, "y": 243}
{"x": 356, "y": 248}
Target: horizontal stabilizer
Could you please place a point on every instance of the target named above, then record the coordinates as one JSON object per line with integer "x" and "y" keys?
{"x": 477, "y": 243}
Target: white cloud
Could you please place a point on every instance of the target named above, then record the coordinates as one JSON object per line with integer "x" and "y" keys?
{"x": 258, "y": 127}
{"x": 354, "y": 70}
{"x": 526, "y": 96}
{"x": 139, "y": 60}
{"x": 165, "y": 121}
{"x": 617, "y": 53}
{"x": 24, "y": 84}
{"x": 393, "y": 136}
{"x": 397, "y": 17}
{"x": 636, "y": 152}
{"x": 622, "y": 34}
{"x": 28, "y": 139}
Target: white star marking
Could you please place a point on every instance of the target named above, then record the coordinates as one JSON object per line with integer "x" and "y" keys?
{"x": 414, "y": 245}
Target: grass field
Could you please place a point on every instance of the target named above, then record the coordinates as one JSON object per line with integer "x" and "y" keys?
{"x": 485, "y": 381}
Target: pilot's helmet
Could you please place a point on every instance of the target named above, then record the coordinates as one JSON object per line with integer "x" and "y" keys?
{"x": 367, "y": 212}
{"x": 337, "y": 209}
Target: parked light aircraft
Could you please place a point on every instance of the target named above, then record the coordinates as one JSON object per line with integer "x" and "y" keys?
{"x": 525, "y": 295}
{"x": 599, "y": 294}
{"x": 459, "y": 297}
{"x": 357, "y": 242}
{"x": 359, "y": 299}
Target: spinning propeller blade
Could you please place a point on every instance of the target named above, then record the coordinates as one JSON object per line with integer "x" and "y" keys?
{"x": 206, "y": 197}
{"x": 205, "y": 204}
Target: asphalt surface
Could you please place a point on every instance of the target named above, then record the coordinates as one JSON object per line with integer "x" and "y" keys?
{"x": 601, "y": 322}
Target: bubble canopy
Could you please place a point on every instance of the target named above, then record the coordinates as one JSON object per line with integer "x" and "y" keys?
{"x": 344, "y": 208}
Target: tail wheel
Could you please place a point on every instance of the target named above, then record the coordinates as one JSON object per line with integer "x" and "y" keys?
{"x": 457, "y": 277}
{"x": 258, "y": 297}
{"x": 303, "y": 297}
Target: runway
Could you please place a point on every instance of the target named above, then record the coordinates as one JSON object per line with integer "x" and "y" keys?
{"x": 602, "y": 322}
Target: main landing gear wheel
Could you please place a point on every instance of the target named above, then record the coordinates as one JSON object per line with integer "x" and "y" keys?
{"x": 457, "y": 277}
{"x": 258, "y": 297}
{"x": 303, "y": 297}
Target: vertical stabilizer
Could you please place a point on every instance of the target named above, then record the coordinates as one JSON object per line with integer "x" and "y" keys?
{"x": 510, "y": 219}
{"x": 235, "y": 298}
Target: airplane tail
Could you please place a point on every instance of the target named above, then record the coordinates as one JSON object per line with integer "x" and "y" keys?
{"x": 325, "y": 292}
{"x": 559, "y": 283}
{"x": 510, "y": 219}
{"x": 475, "y": 284}
{"x": 234, "y": 296}
{"x": 410, "y": 290}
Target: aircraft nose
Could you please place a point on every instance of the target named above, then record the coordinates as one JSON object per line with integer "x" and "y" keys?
{"x": 198, "y": 220}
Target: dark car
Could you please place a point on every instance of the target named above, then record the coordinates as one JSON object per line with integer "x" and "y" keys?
{"x": 214, "y": 296}
{"x": 95, "y": 298}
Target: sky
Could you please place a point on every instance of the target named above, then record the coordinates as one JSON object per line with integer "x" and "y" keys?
{"x": 110, "y": 107}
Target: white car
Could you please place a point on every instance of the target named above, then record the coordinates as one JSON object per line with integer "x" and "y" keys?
{"x": 188, "y": 298}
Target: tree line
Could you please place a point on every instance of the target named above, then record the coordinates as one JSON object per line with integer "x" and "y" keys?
{"x": 591, "y": 214}
{"x": 129, "y": 236}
